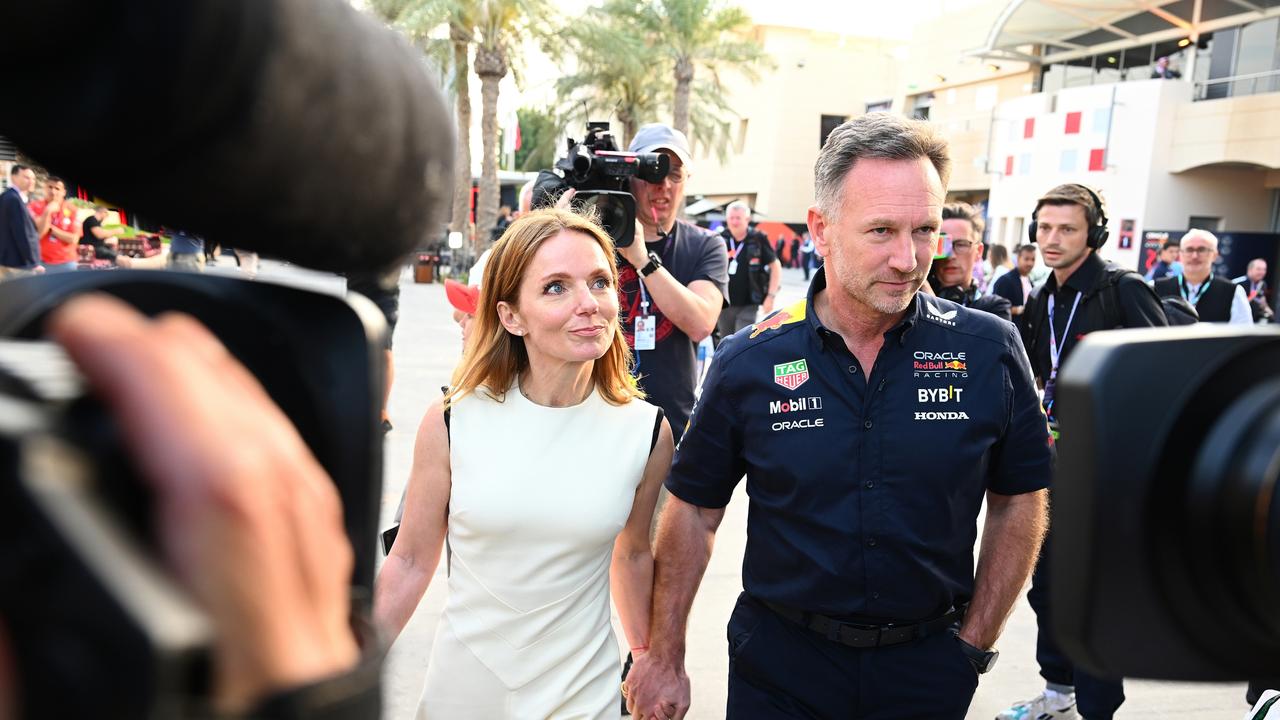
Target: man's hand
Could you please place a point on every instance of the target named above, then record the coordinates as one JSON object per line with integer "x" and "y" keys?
{"x": 248, "y": 520}
{"x": 766, "y": 307}
{"x": 657, "y": 689}
{"x": 637, "y": 254}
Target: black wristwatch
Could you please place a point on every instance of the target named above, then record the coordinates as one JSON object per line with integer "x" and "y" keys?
{"x": 981, "y": 660}
{"x": 655, "y": 262}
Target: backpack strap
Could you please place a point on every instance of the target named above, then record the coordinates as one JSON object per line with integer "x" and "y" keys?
{"x": 1106, "y": 289}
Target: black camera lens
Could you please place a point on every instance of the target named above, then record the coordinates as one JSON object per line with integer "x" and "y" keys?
{"x": 610, "y": 213}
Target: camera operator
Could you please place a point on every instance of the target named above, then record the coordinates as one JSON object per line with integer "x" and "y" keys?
{"x": 1070, "y": 225}
{"x": 752, "y": 266}
{"x": 673, "y": 285}
{"x": 264, "y": 522}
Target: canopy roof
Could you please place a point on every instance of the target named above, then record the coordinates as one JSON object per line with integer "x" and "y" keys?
{"x": 1070, "y": 29}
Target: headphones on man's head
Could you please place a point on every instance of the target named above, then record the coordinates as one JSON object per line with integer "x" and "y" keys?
{"x": 1098, "y": 232}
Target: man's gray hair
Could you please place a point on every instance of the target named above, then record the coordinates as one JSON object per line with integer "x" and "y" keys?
{"x": 878, "y": 135}
{"x": 737, "y": 204}
{"x": 1204, "y": 235}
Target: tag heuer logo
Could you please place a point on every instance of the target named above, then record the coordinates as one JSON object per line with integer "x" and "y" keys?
{"x": 791, "y": 375}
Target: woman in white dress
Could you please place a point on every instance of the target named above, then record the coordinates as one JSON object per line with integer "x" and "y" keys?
{"x": 541, "y": 467}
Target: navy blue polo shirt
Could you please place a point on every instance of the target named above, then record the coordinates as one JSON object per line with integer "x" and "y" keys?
{"x": 865, "y": 493}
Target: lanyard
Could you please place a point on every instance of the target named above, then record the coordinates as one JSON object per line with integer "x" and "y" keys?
{"x": 1054, "y": 353}
{"x": 644, "y": 296}
{"x": 733, "y": 249}
{"x": 1186, "y": 293}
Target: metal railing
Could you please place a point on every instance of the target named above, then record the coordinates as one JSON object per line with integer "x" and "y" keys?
{"x": 1238, "y": 85}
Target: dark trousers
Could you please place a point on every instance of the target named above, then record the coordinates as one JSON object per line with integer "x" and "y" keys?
{"x": 778, "y": 669}
{"x": 1096, "y": 698}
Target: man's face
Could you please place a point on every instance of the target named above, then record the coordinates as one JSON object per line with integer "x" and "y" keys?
{"x": 1197, "y": 256}
{"x": 879, "y": 245}
{"x": 1169, "y": 254}
{"x": 656, "y": 204}
{"x": 1026, "y": 261}
{"x": 958, "y": 269}
{"x": 57, "y": 192}
{"x": 25, "y": 180}
{"x": 1062, "y": 234}
{"x": 737, "y": 220}
{"x": 1257, "y": 270}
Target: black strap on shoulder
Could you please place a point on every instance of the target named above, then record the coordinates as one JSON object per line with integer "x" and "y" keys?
{"x": 657, "y": 428}
{"x": 444, "y": 390}
{"x": 1106, "y": 289}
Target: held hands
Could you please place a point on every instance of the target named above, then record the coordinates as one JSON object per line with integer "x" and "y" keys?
{"x": 656, "y": 689}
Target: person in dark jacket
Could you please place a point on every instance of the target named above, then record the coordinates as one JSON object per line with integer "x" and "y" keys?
{"x": 1015, "y": 286}
{"x": 959, "y": 248}
{"x": 19, "y": 241}
{"x": 1216, "y": 299}
{"x": 1084, "y": 294}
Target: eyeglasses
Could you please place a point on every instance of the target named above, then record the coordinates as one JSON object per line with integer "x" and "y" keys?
{"x": 1197, "y": 251}
{"x": 962, "y": 247}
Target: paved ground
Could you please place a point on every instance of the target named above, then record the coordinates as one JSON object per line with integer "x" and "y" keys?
{"x": 428, "y": 344}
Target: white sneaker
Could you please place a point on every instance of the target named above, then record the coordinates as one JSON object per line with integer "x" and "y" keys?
{"x": 1045, "y": 706}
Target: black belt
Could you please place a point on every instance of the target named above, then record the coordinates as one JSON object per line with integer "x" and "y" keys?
{"x": 865, "y": 636}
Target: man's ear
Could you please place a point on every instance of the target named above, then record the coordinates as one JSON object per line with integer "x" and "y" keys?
{"x": 510, "y": 319}
{"x": 818, "y": 230}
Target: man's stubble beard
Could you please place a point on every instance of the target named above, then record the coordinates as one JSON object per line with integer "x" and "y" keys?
{"x": 859, "y": 287}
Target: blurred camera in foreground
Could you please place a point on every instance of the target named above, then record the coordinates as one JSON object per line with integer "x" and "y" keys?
{"x": 1166, "y": 558}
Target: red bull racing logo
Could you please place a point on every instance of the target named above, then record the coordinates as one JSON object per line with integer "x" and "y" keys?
{"x": 939, "y": 364}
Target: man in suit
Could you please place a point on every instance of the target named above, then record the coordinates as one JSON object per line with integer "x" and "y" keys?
{"x": 19, "y": 241}
{"x": 1016, "y": 286}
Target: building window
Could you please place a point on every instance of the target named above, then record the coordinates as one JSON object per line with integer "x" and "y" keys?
{"x": 1205, "y": 222}
{"x": 830, "y": 123}
{"x": 920, "y": 105}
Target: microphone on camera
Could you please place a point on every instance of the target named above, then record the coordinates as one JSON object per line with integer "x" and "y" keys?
{"x": 300, "y": 129}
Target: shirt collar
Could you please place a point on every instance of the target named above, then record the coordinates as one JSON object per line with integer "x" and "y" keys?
{"x": 819, "y": 283}
{"x": 1083, "y": 279}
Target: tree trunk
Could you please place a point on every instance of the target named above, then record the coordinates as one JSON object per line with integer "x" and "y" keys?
{"x": 460, "y": 220}
{"x": 491, "y": 66}
{"x": 684, "y": 80}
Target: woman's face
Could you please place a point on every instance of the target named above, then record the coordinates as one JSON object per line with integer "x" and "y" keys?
{"x": 567, "y": 309}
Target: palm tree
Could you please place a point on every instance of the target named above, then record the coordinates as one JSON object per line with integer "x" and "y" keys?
{"x": 694, "y": 35}
{"x": 418, "y": 19}
{"x": 500, "y": 26}
{"x": 612, "y": 77}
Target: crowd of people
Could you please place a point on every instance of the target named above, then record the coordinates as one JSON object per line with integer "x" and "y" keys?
{"x": 578, "y": 387}
{"x": 844, "y": 613}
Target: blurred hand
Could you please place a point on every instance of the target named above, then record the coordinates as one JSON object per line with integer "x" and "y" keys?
{"x": 566, "y": 199}
{"x": 248, "y": 519}
{"x": 766, "y": 307}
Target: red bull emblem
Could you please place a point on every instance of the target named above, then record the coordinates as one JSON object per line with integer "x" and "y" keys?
{"x": 786, "y": 316}
{"x": 955, "y": 365}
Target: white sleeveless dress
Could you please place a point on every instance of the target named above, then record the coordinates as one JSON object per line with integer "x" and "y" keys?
{"x": 538, "y": 496}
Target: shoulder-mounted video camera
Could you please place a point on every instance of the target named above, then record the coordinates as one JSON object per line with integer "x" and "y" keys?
{"x": 601, "y": 175}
